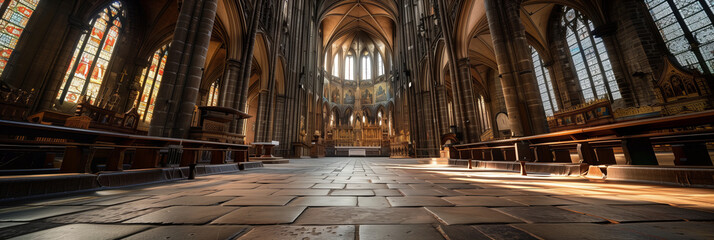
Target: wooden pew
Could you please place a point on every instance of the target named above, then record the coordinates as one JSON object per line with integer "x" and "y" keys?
{"x": 82, "y": 144}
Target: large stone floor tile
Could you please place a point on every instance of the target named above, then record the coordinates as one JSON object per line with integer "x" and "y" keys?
{"x": 325, "y": 201}
{"x": 234, "y": 185}
{"x": 495, "y": 192}
{"x": 287, "y": 185}
{"x": 539, "y": 200}
{"x": 428, "y": 192}
{"x": 85, "y": 231}
{"x": 183, "y": 215}
{"x": 259, "y": 201}
{"x": 548, "y": 214}
{"x": 302, "y": 192}
{"x": 329, "y": 186}
{"x": 364, "y": 215}
{"x": 244, "y": 192}
{"x": 10, "y": 231}
{"x": 454, "y": 186}
{"x": 398, "y": 232}
{"x": 194, "y": 201}
{"x": 503, "y": 232}
{"x": 261, "y": 215}
{"x": 461, "y": 232}
{"x": 115, "y": 201}
{"x": 190, "y": 232}
{"x": 113, "y": 214}
{"x": 604, "y": 200}
{"x": 372, "y": 202}
{"x": 365, "y": 186}
{"x": 567, "y": 231}
{"x": 641, "y": 213}
{"x": 672, "y": 230}
{"x": 345, "y": 192}
{"x": 485, "y": 201}
{"x": 387, "y": 193}
{"x": 22, "y": 213}
{"x": 300, "y": 232}
{"x": 417, "y": 201}
{"x": 470, "y": 215}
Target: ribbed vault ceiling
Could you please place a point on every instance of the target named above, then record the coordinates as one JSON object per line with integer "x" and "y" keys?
{"x": 342, "y": 20}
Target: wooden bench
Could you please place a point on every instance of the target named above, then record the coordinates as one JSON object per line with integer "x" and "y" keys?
{"x": 81, "y": 145}
{"x": 595, "y": 145}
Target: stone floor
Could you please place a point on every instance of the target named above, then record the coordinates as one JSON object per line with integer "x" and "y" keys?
{"x": 370, "y": 198}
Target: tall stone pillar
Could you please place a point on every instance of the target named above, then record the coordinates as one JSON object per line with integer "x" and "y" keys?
{"x": 184, "y": 69}
{"x": 261, "y": 123}
{"x": 241, "y": 97}
{"x": 468, "y": 102}
{"x": 49, "y": 94}
{"x": 520, "y": 88}
{"x": 229, "y": 83}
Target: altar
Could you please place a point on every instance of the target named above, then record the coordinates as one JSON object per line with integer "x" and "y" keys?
{"x": 357, "y": 151}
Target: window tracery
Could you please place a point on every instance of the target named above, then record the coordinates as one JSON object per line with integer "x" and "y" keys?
{"x": 150, "y": 82}
{"x": 684, "y": 24}
{"x": 92, "y": 55}
{"x": 590, "y": 58}
{"x": 545, "y": 85}
{"x": 15, "y": 16}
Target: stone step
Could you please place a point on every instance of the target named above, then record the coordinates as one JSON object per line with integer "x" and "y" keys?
{"x": 249, "y": 165}
{"x": 270, "y": 160}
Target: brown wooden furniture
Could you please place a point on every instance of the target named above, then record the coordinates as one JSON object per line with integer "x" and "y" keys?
{"x": 595, "y": 113}
{"x": 82, "y": 144}
{"x": 594, "y": 145}
{"x": 212, "y": 124}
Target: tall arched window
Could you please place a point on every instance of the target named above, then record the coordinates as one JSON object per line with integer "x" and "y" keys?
{"x": 213, "y": 92}
{"x": 150, "y": 82}
{"x": 590, "y": 58}
{"x": 380, "y": 65}
{"x": 485, "y": 113}
{"x": 350, "y": 67}
{"x": 15, "y": 15}
{"x": 683, "y": 24}
{"x": 547, "y": 95}
{"x": 336, "y": 65}
{"x": 92, "y": 55}
{"x": 366, "y": 66}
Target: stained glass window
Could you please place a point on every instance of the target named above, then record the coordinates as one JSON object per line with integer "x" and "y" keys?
{"x": 213, "y": 93}
{"x": 336, "y": 66}
{"x": 91, "y": 57}
{"x": 684, "y": 23}
{"x": 349, "y": 67}
{"x": 14, "y": 20}
{"x": 590, "y": 58}
{"x": 542, "y": 74}
{"x": 150, "y": 82}
{"x": 380, "y": 65}
{"x": 366, "y": 67}
{"x": 484, "y": 113}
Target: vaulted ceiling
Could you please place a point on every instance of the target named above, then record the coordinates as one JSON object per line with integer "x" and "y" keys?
{"x": 342, "y": 20}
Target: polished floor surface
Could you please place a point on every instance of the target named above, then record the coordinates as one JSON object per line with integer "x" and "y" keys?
{"x": 370, "y": 198}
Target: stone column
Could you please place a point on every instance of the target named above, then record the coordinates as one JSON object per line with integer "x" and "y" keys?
{"x": 241, "y": 97}
{"x": 261, "y": 123}
{"x": 229, "y": 83}
{"x": 468, "y": 102}
{"x": 184, "y": 69}
{"x": 520, "y": 88}
{"x": 74, "y": 32}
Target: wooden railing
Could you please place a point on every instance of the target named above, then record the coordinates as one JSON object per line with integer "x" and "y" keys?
{"x": 686, "y": 135}
{"x": 79, "y": 147}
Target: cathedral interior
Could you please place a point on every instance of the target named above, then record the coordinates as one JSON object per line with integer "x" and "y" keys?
{"x": 356, "y": 119}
